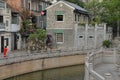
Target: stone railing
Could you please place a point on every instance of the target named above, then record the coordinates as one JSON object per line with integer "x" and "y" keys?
{"x": 95, "y": 58}
{"x": 21, "y": 56}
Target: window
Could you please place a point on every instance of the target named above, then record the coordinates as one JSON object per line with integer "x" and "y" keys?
{"x": 1, "y": 19}
{"x": 80, "y": 36}
{"x": 75, "y": 17}
{"x": 90, "y": 36}
{"x": 2, "y": 5}
{"x": 59, "y": 17}
{"x": 59, "y": 37}
{"x": 15, "y": 18}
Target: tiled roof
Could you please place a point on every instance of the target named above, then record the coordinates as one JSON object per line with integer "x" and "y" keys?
{"x": 78, "y": 8}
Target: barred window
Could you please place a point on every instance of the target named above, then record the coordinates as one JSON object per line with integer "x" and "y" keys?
{"x": 59, "y": 37}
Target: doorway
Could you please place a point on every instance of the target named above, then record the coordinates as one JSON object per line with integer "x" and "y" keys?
{"x": 2, "y": 43}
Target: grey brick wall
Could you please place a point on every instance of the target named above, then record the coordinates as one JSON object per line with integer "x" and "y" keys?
{"x": 68, "y": 38}
{"x": 68, "y": 17}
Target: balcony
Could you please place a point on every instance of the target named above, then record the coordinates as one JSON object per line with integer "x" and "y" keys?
{"x": 2, "y": 27}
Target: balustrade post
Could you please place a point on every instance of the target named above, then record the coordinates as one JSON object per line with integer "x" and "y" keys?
{"x": 86, "y": 36}
{"x": 95, "y": 40}
{"x": 115, "y": 56}
{"x": 91, "y": 69}
{"x": 104, "y": 31}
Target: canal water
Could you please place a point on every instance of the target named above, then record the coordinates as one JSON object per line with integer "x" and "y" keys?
{"x": 66, "y": 73}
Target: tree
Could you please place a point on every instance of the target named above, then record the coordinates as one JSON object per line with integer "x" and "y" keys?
{"x": 95, "y": 9}
{"x": 37, "y": 39}
{"x": 27, "y": 27}
{"x": 107, "y": 11}
{"x": 113, "y": 10}
{"x": 112, "y": 15}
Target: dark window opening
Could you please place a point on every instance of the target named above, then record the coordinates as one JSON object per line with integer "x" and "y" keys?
{"x": 90, "y": 36}
{"x": 75, "y": 17}
{"x": 1, "y": 19}
{"x": 34, "y": 19}
{"x": 15, "y": 19}
{"x": 80, "y": 36}
{"x": 29, "y": 6}
{"x": 59, "y": 17}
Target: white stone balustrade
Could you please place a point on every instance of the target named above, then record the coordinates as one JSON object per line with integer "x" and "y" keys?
{"x": 96, "y": 58}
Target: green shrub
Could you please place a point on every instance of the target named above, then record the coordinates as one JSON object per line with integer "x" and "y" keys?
{"x": 107, "y": 43}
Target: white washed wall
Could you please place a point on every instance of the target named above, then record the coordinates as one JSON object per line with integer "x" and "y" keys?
{"x": 91, "y": 37}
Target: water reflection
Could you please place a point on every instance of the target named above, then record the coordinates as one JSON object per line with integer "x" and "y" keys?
{"x": 66, "y": 73}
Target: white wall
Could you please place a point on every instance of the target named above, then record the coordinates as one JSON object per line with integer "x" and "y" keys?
{"x": 15, "y": 28}
{"x": 91, "y": 37}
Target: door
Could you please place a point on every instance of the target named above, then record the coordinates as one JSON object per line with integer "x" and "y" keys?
{"x": 2, "y": 43}
{"x": 15, "y": 41}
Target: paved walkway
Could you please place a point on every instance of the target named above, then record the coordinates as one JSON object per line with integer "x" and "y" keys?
{"x": 19, "y": 56}
{"x": 108, "y": 68}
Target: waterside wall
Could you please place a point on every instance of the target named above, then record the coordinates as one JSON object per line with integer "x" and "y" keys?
{"x": 14, "y": 69}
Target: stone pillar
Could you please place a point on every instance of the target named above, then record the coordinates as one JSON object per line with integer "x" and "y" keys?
{"x": 86, "y": 36}
{"x": 104, "y": 31}
{"x": 115, "y": 56}
{"x": 87, "y": 71}
{"x": 95, "y": 40}
{"x": 91, "y": 69}
{"x": 118, "y": 59}
{"x": 75, "y": 36}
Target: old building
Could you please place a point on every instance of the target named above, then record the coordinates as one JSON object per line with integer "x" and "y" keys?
{"x": 37, "y": 8}
{"x": 69, "y": 27}
{"x": 9, "y": 26}
{"x": 61, "y": 19}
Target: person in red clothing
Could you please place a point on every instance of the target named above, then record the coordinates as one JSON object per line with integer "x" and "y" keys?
{"x": 5, "y": 51}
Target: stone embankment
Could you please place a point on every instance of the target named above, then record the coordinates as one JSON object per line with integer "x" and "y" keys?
{"x": 21, "y": 62}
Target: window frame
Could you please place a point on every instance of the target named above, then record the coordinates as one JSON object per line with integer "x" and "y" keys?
{"x": 62, "y": 38}
{"x": 60, "y": 20}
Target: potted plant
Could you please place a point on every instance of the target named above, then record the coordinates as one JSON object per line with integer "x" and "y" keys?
{"x": 106, "y": 43}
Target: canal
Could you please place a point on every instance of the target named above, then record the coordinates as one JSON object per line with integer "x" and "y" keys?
{"x": 66, "y": 73}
